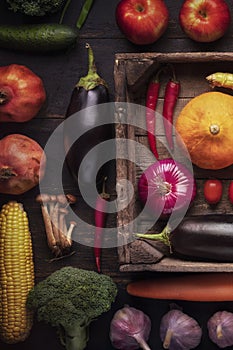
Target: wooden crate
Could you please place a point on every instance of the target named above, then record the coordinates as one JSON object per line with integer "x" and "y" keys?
{"x": 132, "y": 73}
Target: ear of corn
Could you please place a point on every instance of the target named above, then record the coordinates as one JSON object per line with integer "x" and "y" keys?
{"x": 16, "y": 273}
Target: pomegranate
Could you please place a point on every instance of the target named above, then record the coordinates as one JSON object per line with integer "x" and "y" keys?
{"x": 22, "y": 93}
{"x": 22, "y": 164}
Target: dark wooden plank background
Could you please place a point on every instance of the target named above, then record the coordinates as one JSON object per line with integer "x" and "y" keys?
{"x": 60, "y": 72}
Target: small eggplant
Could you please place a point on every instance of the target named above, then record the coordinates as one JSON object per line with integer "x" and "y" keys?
{"x": 92, "y": 124}
{"x": 201, "y": 237}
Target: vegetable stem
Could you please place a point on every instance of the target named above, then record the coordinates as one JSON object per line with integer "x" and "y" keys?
{"x": 173, "y": 73}
{"x": 141, "y": 342}
{"x": 92, "y": 79}
{"x": 84, "y": 13}
{"x": 167, "y": 340}
{"x": 64, "y": 11}
{"x": 76, "y": 337}
{"x": 219, "y": 331}
{"x": 91, "y": 60}
{"x": 162, "y": 236}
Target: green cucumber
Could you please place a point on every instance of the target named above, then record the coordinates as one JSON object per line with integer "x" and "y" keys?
{"x": 38, "y": 37}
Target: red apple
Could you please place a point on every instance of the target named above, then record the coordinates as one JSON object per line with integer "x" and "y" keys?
{"x": 204, "y": 20}
{"x": 142, "y": 21}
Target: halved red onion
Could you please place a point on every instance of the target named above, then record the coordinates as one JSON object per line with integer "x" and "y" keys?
{"x": 166, "y": 186}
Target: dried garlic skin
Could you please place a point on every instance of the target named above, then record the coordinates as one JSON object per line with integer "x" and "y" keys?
{"x": 220, "y": 328}
{"x": 178, "y": 331}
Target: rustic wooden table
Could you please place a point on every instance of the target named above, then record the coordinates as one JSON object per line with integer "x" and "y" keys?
{"x": 60, "y": 72}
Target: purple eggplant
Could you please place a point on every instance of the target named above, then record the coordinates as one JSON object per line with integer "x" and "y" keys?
{"x": 92, "y": 121}
{"x": 200, "y": 237}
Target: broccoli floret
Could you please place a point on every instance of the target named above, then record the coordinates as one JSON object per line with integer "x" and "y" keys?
{"x": 35, "y": 7}
{"x": 69, "y": 299}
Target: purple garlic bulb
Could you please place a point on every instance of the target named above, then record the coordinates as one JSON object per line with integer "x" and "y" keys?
{"x": 130, "y": 329}
{"x": 220, "y": 328}
{"x": 179, "y": 331}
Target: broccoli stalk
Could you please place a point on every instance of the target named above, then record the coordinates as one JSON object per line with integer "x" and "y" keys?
{"x": 70, "y": 299}
{"x": 75, "y": 337}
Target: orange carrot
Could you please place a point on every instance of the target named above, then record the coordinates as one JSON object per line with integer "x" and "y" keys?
{"x": 192, "y": 287}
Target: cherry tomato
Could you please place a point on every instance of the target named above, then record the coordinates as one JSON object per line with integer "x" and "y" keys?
{"x": 213, "y": 191}
{"x": 230, "y": 192}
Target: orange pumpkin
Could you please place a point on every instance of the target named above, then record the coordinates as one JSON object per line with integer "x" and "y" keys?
{"x": 205, "y": 125}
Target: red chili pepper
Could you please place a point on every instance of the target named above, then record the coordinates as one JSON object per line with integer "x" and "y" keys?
{"x": 151, "y": 102}
{"x": 100, "y": 221}
{"x": 170, "y": 98}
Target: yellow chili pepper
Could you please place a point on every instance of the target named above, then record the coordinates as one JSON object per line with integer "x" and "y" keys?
{"x": 221, "y": 79}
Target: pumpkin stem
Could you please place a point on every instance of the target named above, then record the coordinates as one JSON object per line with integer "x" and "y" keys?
{"x": 214, "y": 129}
